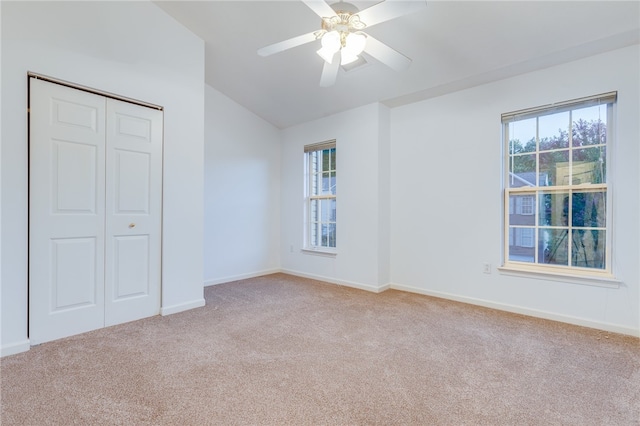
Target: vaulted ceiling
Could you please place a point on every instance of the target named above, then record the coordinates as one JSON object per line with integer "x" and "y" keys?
{"x": 453, "y": 45}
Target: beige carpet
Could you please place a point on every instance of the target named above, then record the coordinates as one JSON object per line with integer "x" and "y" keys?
{"x": 280, "y": 350}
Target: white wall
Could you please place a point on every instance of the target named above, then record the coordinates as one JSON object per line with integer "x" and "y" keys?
{"x": 384, "y": 196}
{"x": 128, "y": 48}
{"x": 359, "y": 140}
{"x": 242, "y": 192}
{"x": 1, "y": 177}
{"x": 446, "y": 194}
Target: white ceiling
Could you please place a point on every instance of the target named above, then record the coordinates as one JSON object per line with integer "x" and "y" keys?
{"x": 453, "y": 45}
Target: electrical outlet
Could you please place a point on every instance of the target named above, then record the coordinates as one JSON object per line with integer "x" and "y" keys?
{"x": 291, "y": 248}
{"x": 486, "y": 268}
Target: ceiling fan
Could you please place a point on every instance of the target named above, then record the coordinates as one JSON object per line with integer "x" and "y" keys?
{"x": 341, "y": 36}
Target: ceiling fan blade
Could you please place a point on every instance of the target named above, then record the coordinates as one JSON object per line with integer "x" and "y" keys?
{"x": 330, "y": 71}
{"x": 388, "y": 56}
{"x": 390, "y": 9}
{"x": 287, "y": 44}
{"x": 321, "y": 8}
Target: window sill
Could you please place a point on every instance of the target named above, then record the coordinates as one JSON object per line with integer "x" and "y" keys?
{"x": 326, "y": 252}
{"x": 604, "y": 280}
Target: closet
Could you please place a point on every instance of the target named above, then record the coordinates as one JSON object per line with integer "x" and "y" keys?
{"x": 95, "y": 211}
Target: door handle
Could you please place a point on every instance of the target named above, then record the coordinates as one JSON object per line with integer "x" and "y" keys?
{"x": 132, "y": 225}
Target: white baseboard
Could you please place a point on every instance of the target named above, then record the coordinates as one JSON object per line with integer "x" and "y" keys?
{"x": 174, "y": 309}
{"x": 222, "y": 280}
{"x": 367, "y": 287}
{"x": 613, "y": 328}
{"x": 15, "y": 348}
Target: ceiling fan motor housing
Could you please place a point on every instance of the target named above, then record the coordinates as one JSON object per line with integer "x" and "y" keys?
{"x": 346, "y": 21}
{"x": 344, "y": 7}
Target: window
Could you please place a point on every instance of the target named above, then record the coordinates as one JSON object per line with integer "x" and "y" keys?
{"x": 523, "y": 204}
{"x": 320, "y": 160}
{"x": 556, "y": 190}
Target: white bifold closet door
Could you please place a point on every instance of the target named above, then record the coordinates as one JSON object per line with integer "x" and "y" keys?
{"x": 95, "y": 201}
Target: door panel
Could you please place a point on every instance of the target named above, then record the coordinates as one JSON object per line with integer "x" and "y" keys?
{"x": 134, "y": 126}
{"x": 131, "y": 257}
{"x": 133, "y": 206}
{"x": 73, "y": 177}
{"x": 66, "y": 211}
{"x": 132, "y": 185}
{"x": 73, "y": 275}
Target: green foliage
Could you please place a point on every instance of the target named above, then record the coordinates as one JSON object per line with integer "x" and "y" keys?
{"x": 587, "y": 140}
{"x": 585, "y": 133}
{"x": 329, "y": 159}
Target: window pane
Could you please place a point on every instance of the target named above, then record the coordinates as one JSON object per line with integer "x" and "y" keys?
{"x": 333, "y": 159}
{"x": 332, "y": 183}
{"x": 589, "y": 209}
{"x": 328, "y": 159}
{"x": 316, "y": 183}
{"x": 315, "y": 211}
{"x": 325, "y": 160}
{"x": 332, "y": 234}
{"x": 554, "y": 166}
{"x": 329, "y": 235}
{"x": 323, "y": 226}
{"x": 522, "y": 210}
{"x": 521, "y": 242}
{"x": 554, "y": 246}
{"x": 553, "y": 210}
{"x": 522, "y": 136}
{"x": 589, "y": 165}
{"x": 328, "y": 208}
{"x": 588, "y": 248}
{"x": 323, "y": 210}
{"x": 326, "y": 183}
{"x": 589, "y": 126}
{"x": 315, "y": 233}
{"x": 522, "y": 170}
{"x": 553, "y": 131}
{"x": 332, "y": 210}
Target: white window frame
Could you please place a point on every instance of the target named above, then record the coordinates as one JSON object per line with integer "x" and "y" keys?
{"x": 310, "y": 197}
{"x": 592, "y": 276}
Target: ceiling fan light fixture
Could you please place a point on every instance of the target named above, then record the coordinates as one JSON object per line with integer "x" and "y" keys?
{"x": 350, "y": 45}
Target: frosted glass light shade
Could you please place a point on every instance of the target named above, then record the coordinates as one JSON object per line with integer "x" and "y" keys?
{"x": 355, "y": 43}
{"x": 330, "y": 45}
{"x": 331, "y": 40}
{"x": 354, "y": 46}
